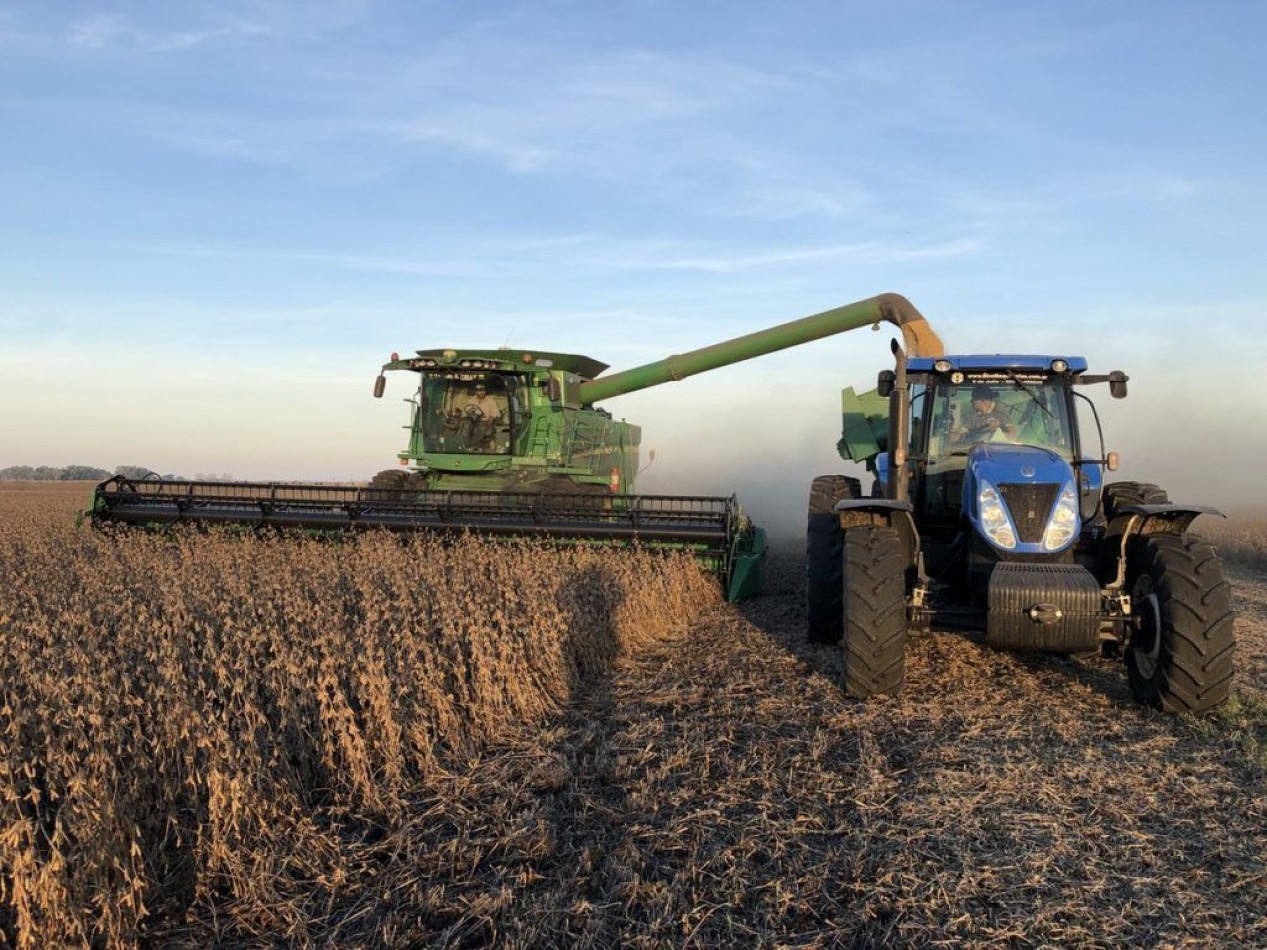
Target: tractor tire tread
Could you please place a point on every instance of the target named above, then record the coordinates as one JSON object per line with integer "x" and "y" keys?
{"x": 874, "y": 595}
{"x": 1131, "y": 493}
{"x": 823, "y": 556}
{"x": 1198, "y": 636}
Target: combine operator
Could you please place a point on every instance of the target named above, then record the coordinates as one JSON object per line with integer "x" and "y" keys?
{"x": 475, "y": 416}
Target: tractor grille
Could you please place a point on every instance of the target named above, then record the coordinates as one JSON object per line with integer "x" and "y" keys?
{"x": 1030, "y": 506}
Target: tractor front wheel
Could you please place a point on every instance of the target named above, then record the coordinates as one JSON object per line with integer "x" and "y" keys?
{"x": 823, "y": 556}
{"x": 1117, "y": 494}
{"x": 874, "y": 627}
{"x": 1180, "y": 656}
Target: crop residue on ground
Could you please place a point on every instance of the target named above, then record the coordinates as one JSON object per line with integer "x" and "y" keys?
{"x": 692, "y": 777}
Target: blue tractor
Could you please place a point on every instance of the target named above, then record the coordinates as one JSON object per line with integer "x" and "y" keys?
{"x": 989, "y": 512}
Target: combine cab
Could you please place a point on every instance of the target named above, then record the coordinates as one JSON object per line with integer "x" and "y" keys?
{"x": 497, "y": 421}
{"x": 513, "y": 443}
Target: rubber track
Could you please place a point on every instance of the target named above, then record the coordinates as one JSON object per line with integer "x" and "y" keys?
{"x": 1197, "y": 625}
{"x": 875, "y": 612}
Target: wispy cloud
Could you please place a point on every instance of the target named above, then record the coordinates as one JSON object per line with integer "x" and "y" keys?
{"x": 676, "y": 124}
{"x": 866, "y": 253}
{"x": 161, "y": 28}
{"x": 592, "y": 254}
{"x": 421, "y": 265}
{"x": 112, "y": 31}
{"x": 1002, "y": 207}
{"x": 554, "y": 110}
{"x": 626, "y": 115}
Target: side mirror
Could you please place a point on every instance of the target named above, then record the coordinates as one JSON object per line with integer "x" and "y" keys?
{"x": 1111, "y": 462}
{"x": 885, "y": 382}
{"x": 379, "y": 385}
{"x": 554, "y": 390}
{"x": 1117, "y": 384}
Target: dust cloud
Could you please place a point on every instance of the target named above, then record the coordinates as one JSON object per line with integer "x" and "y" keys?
{"x": 765, "y": 445}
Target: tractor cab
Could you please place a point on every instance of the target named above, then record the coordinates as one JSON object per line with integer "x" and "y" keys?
{"x": 1008, "y": 420}
{"x": 990, "y": 514}
{"x": 996, "y": 466}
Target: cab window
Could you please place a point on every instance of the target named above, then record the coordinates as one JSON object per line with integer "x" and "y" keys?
{"x": 1008, "y": 411}
{"x": 467, "y": 413}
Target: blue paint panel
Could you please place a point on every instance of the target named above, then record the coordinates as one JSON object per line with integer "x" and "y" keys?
{"x": 922, "y": 364}
{"x": 1006, "y": 463}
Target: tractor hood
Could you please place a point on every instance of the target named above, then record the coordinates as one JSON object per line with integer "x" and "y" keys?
{"x": 1022, "y": 499}
{"x": 1007, "y": 462}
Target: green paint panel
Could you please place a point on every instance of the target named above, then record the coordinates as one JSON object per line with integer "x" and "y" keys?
{"x": 829, "y": 322}
{"x": 864, "y": 420}
{"x": 545, "y": 435}
{"x": 745, "y": 566}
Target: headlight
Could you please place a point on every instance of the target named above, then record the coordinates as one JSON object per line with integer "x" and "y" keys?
{"x": 995, "y": 520}
{"x": 1065, "y": 520}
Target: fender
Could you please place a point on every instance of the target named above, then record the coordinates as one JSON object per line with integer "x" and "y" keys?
{"x": 1143, "y": 520}
{"x": 899, "y": 515}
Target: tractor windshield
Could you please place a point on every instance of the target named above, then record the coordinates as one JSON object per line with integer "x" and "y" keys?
{"x": 1000, "y": 407}
{"x": 468, "y": 412}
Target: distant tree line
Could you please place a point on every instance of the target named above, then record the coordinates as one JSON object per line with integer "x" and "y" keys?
{"x": 73, "y": 473}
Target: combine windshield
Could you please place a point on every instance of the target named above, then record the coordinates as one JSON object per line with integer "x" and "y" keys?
{"x": 1010, "y": 409}
{"x": 468, "y": 413}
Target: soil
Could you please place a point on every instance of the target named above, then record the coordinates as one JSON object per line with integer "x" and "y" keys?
{"x": 719, "y": 790}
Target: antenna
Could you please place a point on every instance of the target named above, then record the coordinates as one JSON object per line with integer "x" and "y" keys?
{"x": 650, "y": 459}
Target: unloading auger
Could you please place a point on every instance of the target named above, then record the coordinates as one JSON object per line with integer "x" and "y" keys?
{"x": 511, "y": 443}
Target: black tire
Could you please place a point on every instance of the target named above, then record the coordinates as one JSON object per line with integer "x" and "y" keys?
{"x": 395, "y": 479}
{"x": 414, "y": 483}
{"x": 823, "y": 556}
{"x": 389, "y": 478}
{"x": 1117, "y": 494}
{"x": 396, "y": 485}
{"x": 562, "y": 485}
{"x": 875, "y": 611}
{"x": 1180, "y": 657}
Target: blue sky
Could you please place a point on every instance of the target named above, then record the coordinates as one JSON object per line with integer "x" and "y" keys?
{"x": 217, "y": 219}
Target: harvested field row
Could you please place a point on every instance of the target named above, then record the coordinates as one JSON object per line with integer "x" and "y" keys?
{"x": 717, "y": 789}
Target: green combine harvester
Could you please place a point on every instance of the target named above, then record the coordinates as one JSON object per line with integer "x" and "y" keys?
{"x": 512, "y": 443}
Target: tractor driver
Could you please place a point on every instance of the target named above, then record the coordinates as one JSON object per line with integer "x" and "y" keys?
{"x": 986, "y": 419}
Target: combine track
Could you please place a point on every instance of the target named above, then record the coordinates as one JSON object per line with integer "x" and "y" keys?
{"x": 718, "y": 790}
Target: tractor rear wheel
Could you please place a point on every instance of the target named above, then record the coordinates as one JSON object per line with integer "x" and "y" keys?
{"x": 823, "y": 556}
{"x": 1118, "y": 494}
{"x": 1180, "y": 657}
{"x": 874, "y": 627}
